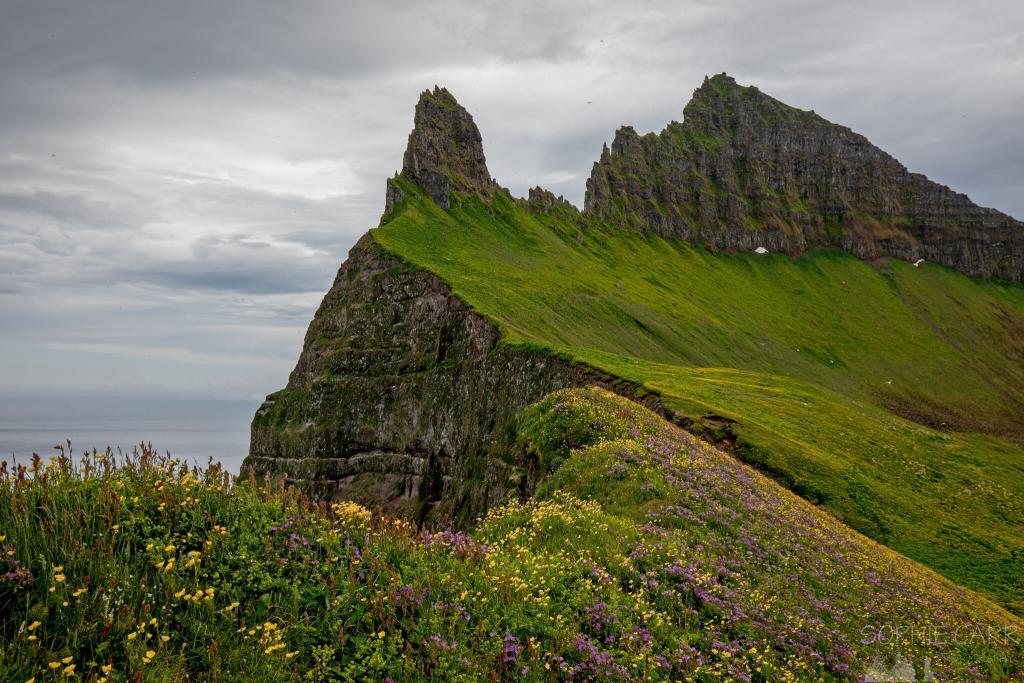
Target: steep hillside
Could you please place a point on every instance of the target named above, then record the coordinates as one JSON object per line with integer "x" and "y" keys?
{"x": 889, "y": 394}
{"x": 927, "y": 342}
{"x": 646, "y": 555}
{"x": 796, "y": 358}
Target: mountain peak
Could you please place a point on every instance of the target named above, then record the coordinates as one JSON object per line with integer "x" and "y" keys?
{"x": 720, "y": 100}
{"x": 719, "y": 86}
{"x": 744, "y": 170}
{"x": 445, "y": 151}
{"x": 720, "y": 81}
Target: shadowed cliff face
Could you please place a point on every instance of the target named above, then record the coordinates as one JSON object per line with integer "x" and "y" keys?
{"x": 396, "y": 391}
{"x": 403, "y": 397}
{"x": 744, "y": 170}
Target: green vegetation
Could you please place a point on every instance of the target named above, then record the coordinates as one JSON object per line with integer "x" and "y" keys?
{"x": 889, "y": 394}
{"x": 646, "y": 555}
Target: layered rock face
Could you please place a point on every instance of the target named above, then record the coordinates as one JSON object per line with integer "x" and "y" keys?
{"x": 403, "y": 397}
{"x": 744, "y": 170}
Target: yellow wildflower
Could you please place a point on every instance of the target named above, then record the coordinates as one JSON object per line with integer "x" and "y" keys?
{"x": 54, "y": 665}
{"x": 59, "y": 578}
{"x": 67, "y": 660}
{"x": 34, "y": 625}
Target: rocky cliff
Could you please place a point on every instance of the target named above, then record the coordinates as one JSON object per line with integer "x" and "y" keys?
{"x": 404, "y": 397}
{"x": 445, "y": 152}
{"x": 743, "y": 170}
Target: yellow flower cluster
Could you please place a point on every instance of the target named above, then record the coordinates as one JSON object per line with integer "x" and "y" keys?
{"x": 67, "y": 668}
{"x": 352, "y": 515}
{"x": 194, "y": 598}
{"x": 268, "y": 635}
{"x": 142, "y": 635}
{"x": 564, "y": 506}
{"x": 193, "y": 559}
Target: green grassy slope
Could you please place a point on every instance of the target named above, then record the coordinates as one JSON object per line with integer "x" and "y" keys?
{"x": 803, "y": 354}
{"x": 646, "y": 556}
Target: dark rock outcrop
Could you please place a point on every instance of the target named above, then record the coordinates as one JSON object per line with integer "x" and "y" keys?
{"x": 445, "y": 152}
{"x": 744, "y": 170}
{"x": 539, "y": 200}
{"x": 404, "y": 398}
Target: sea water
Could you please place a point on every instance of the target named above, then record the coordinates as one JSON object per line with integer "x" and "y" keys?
{"x": 191, "y": 430}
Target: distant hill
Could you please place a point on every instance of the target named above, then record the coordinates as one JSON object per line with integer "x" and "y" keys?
{"x": 887, "y": 390}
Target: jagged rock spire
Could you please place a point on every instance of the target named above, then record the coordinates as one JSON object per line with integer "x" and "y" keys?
{"x": 744, "y": 170}
{"x": 445, "y": 151}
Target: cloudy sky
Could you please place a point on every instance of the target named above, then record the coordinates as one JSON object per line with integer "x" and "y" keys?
{"x": 180, "y": 180}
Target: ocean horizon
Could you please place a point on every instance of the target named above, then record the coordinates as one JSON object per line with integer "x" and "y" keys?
{"x": 191, "y": 430}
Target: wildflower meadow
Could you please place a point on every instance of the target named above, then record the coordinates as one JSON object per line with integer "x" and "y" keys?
{"x": 644, "y": 555}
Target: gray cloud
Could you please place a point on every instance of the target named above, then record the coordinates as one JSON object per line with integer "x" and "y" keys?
{"x": 179, "y": 181}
